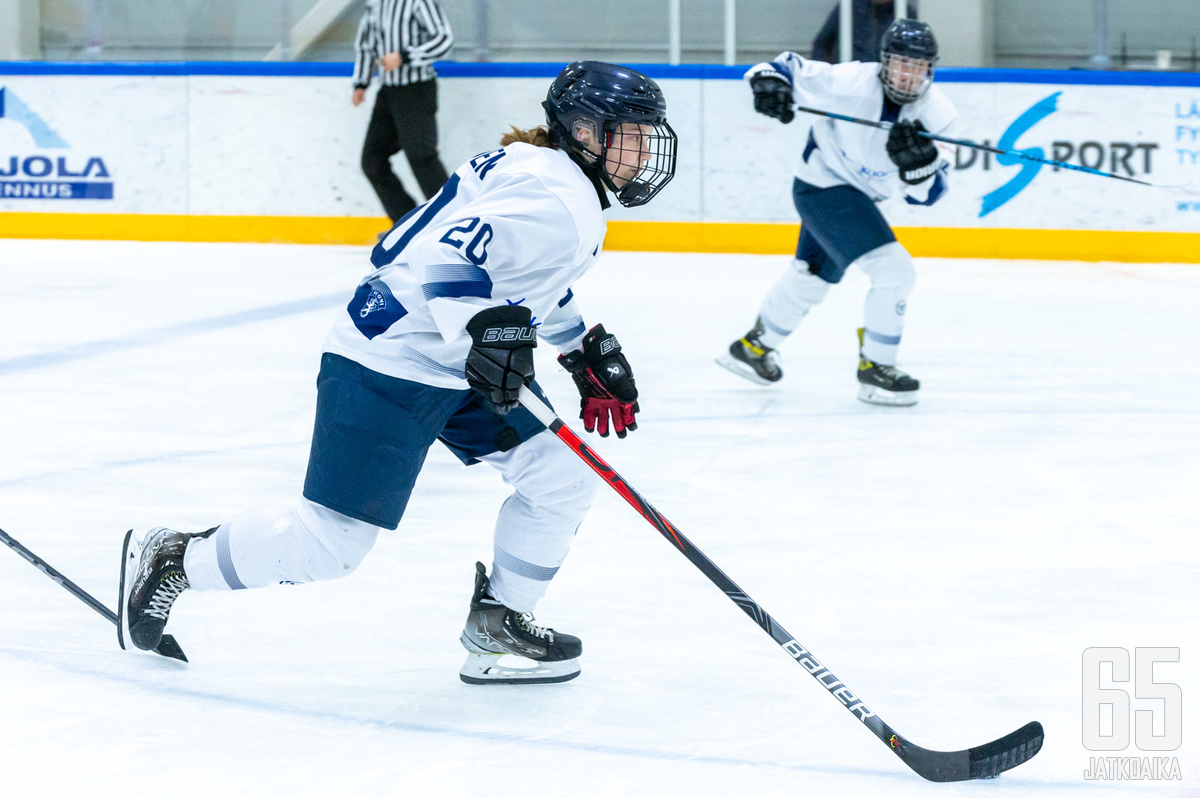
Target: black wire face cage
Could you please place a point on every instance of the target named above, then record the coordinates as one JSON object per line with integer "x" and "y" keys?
{"x": 636, "y": 167}
{"x": 919, "y": 72}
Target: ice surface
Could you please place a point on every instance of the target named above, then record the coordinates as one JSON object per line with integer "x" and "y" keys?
{"x": 950, "y": 562}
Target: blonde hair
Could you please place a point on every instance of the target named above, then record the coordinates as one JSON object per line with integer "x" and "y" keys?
{"x": 538, "y": 136}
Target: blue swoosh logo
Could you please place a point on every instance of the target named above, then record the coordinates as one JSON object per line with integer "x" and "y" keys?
{"x": 1008, "y": 141}
{"x": 12, "y": 108}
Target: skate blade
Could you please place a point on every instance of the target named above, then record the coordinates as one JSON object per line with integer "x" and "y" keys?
{"x": 129, "y": 563}
{"x": 739, "y": 368}
{"x": 511, "y": 669}
{"x": 875, "y": 395}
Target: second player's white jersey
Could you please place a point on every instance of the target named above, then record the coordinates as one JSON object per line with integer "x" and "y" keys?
{"x": 513, "y": 226}
{"x": 833, "y": 152}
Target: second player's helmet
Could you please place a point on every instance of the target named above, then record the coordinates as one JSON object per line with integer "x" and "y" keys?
{"x": 907, "y": 55}
{"x": 603, "y": 97}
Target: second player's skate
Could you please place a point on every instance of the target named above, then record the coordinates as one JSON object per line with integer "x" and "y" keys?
{"x": 494, "y": 634}
{"x": 748, "y": 357}
{"x": 884, "y": 385}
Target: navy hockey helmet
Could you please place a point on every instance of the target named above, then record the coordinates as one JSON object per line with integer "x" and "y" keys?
{"x": 907, "y": 54}
{"x": 600, "y": 97}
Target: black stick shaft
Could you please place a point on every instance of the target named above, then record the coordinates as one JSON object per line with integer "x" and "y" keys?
{"x": 49, "y": 570}
{"x": 977, "y": 146}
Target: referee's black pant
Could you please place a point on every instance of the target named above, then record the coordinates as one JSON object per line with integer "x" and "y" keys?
{"x": 405, "y": 118}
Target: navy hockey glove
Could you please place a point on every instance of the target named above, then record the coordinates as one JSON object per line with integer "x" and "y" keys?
{"x": 915, "y": 154}
{"x": 501, "y": 356}
{"x": 773, "y": 97}
{"x": 605, "y": 383}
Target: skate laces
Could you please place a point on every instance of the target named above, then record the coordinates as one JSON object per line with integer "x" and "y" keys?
{"x": 525, "y": 621}
{"x": 164, "y": 596}
{"x": 891, "y": 372}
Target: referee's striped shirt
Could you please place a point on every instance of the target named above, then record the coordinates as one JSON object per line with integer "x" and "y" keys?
{"x": 417, "y": 29}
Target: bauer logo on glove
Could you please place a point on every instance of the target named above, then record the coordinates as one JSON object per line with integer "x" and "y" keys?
{"x": 500, "y": 360}
{"x": 497, "y": 334}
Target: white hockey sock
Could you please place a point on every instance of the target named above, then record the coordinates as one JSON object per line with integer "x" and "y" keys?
{"x": 890, "y": 268}
{"x": 537, "y": 524}
{"x": 789, "y": 301}
{"x": 262, "y": 547}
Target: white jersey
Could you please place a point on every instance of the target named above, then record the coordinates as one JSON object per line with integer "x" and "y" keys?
{"x": 512, "y": 226}
{"x": 835, "y": 152}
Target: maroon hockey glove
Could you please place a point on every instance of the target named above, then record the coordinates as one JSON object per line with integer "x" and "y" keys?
{"x": 501, "y": 356}
{"x": 605, "y": 383}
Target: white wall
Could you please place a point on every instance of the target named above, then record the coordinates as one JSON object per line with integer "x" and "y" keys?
{"x": 290, "y": 146}
{"x": 20, "y": 30}
{"x": 964, "y": 30}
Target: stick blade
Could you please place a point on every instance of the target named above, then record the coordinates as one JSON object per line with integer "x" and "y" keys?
{"x": 992, "y": 759}
{"x": 985, "y": 761}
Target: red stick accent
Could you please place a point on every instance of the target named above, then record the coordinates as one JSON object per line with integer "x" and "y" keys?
{"x": 610, "y": 475}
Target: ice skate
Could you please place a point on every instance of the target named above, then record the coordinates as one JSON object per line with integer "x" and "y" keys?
{"x": 884, "y": 385}
{"x": 748, "y": 357}
{"x": 152, "y": 578}
{"x": 506, "y": 647}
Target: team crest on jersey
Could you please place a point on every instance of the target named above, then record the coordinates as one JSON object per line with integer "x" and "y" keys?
{"x": 375, "y": 301}
{"x": 374, "y": 308}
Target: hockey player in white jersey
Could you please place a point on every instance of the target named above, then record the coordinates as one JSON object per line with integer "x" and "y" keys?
{"x": 844, "y": 169}
{"x": 435, "y": 345}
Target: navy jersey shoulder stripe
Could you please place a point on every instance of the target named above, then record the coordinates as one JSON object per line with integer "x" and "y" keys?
{"x": 456, "y": 280}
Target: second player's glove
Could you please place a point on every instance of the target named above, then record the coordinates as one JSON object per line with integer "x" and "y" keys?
{"x": 914, "y": 154}
{"x": 501, "y": 356}
{"x": 605, "y": 383}
{"x": 773, "y": 97}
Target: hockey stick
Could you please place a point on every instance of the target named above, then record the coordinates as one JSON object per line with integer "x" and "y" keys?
{"x": 981, "y": 762}
{"x": 986, "y": 148}
{"x": 167, "y": 647}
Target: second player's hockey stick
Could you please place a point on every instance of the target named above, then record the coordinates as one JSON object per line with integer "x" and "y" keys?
{"x": 167, "y": 647}
{"x": 987, "y": 148}
{"x": 981, "y": 762}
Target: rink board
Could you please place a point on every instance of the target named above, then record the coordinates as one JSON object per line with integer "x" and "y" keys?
{"x": 269, "y": 152}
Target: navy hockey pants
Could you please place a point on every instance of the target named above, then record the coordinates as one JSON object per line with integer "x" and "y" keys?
{"x": 373, "y": 431}
{"x": 838, "y": 226}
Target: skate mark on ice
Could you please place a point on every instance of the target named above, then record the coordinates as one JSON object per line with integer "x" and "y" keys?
{"x": 161, "y": 335}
